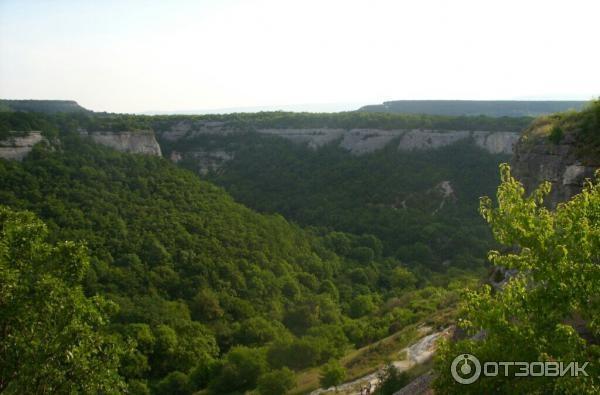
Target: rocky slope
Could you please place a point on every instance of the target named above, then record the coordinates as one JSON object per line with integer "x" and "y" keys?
{"x": 17, "y": 147}
{"x": 551, "y": 150}
{"x": 139, "y": 142}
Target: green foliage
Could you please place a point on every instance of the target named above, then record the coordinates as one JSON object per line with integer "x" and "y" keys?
{"x": 556, "y": 134}
{"x": 175, "y": 383}
{"x": 549, "y": 311}
{"x": 241, "y": 369}
{"x": 54, "y": 338}
{"x": 387, "y": 198}
{"x": 332, "y": 374}
{"x": 276, "y": 382}
{"x": 41, "y": 106}
{"x": 391, "y": 380}
{"x": 348, "y": 120}
{"x": 196, "y": 275}
{"x": 582, "y": 126}
{"x": 362, "y": 305}
{"x": 495, "y": 108}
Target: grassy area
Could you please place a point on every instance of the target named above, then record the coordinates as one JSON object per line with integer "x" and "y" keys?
{"x": 365, "y": 360}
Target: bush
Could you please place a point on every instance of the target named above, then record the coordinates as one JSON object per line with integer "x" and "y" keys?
{"x": 332, "y": 374}
{"x": 391, "y": 380}
{"x": 277, "y": 382}
{"x": 175, "y": 383}
{"x": 556, "y": 134}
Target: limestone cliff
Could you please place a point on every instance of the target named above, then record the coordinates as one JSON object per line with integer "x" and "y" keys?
{"x": 356, "y": 141}
{"x": 493, "y": 142}
{"x": 541, "y": 160}
{"x": 19, "y": 145}
{"x": 138, "y": 142}
{"x": 556, "y": 149}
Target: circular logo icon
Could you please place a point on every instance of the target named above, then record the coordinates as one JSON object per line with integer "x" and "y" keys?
{"x": 465, "y": 369}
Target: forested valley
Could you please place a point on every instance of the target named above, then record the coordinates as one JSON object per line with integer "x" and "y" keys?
{"x": 128, "y": 273}
{"x": 198, "y": 291}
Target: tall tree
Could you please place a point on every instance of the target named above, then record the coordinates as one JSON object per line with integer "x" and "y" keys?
{"x": 51, "y": 334}
{"x": 548, "y": 311}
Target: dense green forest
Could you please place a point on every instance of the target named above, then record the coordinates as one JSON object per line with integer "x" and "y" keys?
{"x": 210, "y": 293}
{"x": 394, "y": 196}
{"x": 175, "y": 287}
{"x": 547, "y": 309}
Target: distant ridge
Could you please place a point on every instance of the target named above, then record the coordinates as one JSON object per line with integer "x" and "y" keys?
{"x": 43, "y": 106}
{"x": 493, "y": 108}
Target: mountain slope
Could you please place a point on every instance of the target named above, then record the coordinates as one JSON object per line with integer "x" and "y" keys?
{"x": 201, "y": 280}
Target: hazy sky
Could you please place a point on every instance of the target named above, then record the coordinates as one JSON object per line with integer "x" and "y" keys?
{"x": 132, "y": 56}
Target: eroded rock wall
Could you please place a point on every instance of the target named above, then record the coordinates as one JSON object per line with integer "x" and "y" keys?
{"x": 538, "y": 159}
{"x": 138, "y": 142}
{"x": 17, "y": 148}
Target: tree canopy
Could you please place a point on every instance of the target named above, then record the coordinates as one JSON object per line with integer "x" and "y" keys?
{"x": 547, "y": 311}
{"x": 53, "y": 338}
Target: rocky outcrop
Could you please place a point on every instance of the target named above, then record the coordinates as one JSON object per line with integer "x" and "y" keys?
{"x": 356, "y": 141}
{"x": 362, "y": 141}
{"x": 209, "y": 157}
{"x": 537, "y": 159}
{"x": 138, "y": 142}
{"x": 493, "y": 142}
{"x": 18, "y": 146}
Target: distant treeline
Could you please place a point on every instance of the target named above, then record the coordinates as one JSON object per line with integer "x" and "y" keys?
{"x": 352, "y": 120}
{"x": 493, "y": 108}
{"x": 50, "y": 123}
{"x": 43, "y": 106}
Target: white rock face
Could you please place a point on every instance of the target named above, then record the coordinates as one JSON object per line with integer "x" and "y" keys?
{"x": 17, "y": 148}
{"x": 138, "y": 142}
{"x": 357, "y": 141}
{"x": 537, "y": 160}
{"x": 574, "y": 175}
{"x": 362, "y": 141}
{"x": 493, "y": 142}
{"x": 497, "y": 142}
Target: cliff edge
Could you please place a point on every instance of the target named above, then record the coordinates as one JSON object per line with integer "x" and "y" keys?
{"x": 563, "y": 149}
{"x": 19, "y": 144}
{"x": 138, "y": 142}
